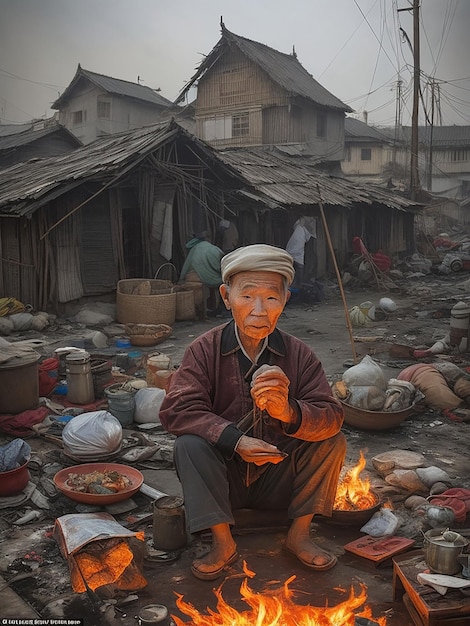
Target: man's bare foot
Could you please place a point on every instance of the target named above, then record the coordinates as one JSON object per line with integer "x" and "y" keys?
{"x": 212, "y": 564}
{"x": 310, "y": 554}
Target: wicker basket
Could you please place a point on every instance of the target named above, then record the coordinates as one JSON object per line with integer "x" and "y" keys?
{"x": 185, "y": 307}
{"x": 147, "y": 334}
{"x": 159, "y": 307}
{"x": 197, "y": 289}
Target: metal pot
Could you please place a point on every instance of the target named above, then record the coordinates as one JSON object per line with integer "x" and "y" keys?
{"x": 441, "y": 549}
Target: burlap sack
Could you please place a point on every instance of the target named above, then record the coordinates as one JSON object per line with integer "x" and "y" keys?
{"x": 433, "y": 385}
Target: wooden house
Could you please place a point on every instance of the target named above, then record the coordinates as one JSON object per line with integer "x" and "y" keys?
{"x": 121, "y": 207}
{"x": 34, "y": 140}
{"x": 249, "y": 94}
{"x": 367, "y": 153}
{"x": 72, "y": 226}
{"x": 95, "y": 105}
{"x": 381, "y": 154}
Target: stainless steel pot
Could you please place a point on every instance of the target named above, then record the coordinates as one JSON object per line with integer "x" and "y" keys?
{"x": 441, "y": 549}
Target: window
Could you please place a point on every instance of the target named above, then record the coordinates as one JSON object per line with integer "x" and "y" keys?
{"x": 104, "y": 110}
{"x": 217, "y": 128}
{"x": 459, "y": 155}
{"x": 77, "y": 118}
{"x": 321, "y": 124}
{"x": 241, "y": 125}
{"x": 347, "y": 153}
{"x": 366, "y": 154}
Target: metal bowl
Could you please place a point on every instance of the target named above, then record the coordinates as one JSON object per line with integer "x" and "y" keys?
{"x": 136, "y": 478}
{"x": 374, "y": 420}
{"x": 354, "y": 518}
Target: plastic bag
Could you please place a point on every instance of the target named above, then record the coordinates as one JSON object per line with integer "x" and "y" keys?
{"x": 14, "y": 455}
{"x": 382, "y": 523}
{"x": 399, "y": 395}
{"x": 370, "y": 398}
{"x": 92, "y": 435}
{"x": 147, "y": 405}
{"x": 367, "y": 372}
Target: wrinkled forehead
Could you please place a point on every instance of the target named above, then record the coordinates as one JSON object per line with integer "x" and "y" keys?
{"x": 259, "y": 280}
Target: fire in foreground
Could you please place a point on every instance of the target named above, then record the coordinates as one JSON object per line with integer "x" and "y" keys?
{"x": 276, "y": 608}
{"x": 354, "y": 493}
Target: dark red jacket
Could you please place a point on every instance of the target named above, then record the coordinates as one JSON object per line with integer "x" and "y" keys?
{"x": 210, "y": 391}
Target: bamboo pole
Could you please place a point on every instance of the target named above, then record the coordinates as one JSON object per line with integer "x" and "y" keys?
{"x": 338, "y": 275}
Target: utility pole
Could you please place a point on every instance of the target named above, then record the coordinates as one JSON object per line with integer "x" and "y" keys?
{"x": 397, "y": 121}
{"x": 414, "y": 118}
{"x": 414, "y": 173}
{"x": 433, "y": 95}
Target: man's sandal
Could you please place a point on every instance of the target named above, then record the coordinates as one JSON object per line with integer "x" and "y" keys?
{"x": 332, "y": 560}
{"x": 212, "y": 575}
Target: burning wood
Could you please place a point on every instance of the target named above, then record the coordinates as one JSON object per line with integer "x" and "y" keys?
{"x": 354, "y": 493}
{"x": 276, "y": 608}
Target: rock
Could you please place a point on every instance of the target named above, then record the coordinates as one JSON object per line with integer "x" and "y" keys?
{"x": 414, "y": 502}
{"x": 438, "y": 488}
{"x": 407, "y": 479}
{"x": 386, "y": 462}
{"x": 431, "y": 475}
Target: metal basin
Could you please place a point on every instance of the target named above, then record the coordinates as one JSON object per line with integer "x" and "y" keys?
{"x": 441, "y": 555}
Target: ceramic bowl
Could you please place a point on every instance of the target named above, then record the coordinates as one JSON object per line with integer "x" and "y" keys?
{"x": 14, "y": 481}
{"x": 136, "y": 478}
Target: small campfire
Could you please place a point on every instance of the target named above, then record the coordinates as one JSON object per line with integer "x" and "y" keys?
{"x": 277, "y": 608}
{"x": 354, "y": 493}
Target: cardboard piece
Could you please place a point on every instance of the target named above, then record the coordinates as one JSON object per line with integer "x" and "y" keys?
{"x": 379, "y": 549}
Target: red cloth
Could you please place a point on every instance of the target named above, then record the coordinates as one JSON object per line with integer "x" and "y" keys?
{"x": 382, "y": 261}
{"x": 48, "y": 374}
{"x": 457, "y": 499}
{"x": 359, "y": 247}
{"x": 21, "y": 423}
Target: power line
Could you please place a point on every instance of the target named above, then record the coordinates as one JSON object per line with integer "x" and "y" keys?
{"x": 373, "y": 32}
{"x": 346, "y": 42}
{"x": 8, "y": 74}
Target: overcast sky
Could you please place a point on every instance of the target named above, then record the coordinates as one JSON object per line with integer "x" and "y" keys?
{"x": 352, "y": 47}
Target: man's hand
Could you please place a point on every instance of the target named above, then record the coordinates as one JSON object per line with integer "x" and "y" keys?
{"x": 270, "y": 391}
{"x": 258, "y": 451}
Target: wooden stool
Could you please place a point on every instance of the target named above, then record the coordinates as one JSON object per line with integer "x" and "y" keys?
{"x": 425, "y": 606}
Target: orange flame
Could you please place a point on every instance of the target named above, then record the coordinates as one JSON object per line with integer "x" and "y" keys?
{"x": 354, "y": 493}
{"x": 276, "y": 608}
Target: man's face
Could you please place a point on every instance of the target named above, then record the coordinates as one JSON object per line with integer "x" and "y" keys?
{"x": 256, "y": 300}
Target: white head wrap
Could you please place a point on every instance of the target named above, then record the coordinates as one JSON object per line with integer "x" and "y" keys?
{"x": 259, "y": 257}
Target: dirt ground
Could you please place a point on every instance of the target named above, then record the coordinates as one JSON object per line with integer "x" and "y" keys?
{"x": 42, "y": 588}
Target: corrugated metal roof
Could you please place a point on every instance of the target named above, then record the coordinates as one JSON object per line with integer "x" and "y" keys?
{"x": 294, "y": 181}
{"x": 283, "y": 69}
{"x": 112, "y": 85}
{"x": 13, "y": 129}
{"x": 28, "y": 136}
{"x": 360, "y": 130}
{"x": 442, "y": 136}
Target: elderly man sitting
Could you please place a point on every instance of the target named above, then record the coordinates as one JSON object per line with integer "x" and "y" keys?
{"x": 256, "y": 424}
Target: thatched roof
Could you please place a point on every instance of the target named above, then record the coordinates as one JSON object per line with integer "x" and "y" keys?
{"x": 264, "y": 175}
{"x": 283, "y": 69}
{"x": 25, "y": 187}
{"x": 284, "y": 181}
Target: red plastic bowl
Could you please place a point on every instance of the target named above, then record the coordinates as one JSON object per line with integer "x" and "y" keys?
{"x": 14, "y": 481}
{"x": 97, "y": 499}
